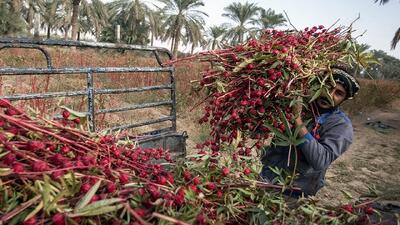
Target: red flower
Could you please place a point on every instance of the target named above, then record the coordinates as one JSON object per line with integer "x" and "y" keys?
{"x": 369, "y": 210}
{"x": 225, "y": 171}
{"x": 18, "y": 168}
{"x": 123, "y": 178}
{"x": 348, "y": 208}
{"x": 30, "y": 221}
{"x": 66, "y": 114}
{"x": 111, "y": 187}
{"x": 246, "y": 171}
{"x": 211, "y": 186}
{"x": 58, "y": 219}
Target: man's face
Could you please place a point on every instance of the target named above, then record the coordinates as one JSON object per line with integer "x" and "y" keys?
{"x": 338, "y": 94}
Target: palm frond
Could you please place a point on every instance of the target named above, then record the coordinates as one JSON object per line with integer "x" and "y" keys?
{"x": 382, "y": 2}
{"x": 395, "y": 39}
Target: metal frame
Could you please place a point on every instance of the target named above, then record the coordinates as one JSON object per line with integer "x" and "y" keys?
{"x": 90, "y": 72}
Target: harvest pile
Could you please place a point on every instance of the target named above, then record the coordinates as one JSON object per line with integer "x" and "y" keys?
{"x": 54, "y": 174}
{"x": 252, "y": 87}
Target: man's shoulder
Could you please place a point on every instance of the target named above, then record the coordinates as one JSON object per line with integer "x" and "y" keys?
{"x": 340, "y": 115}
{"x": 336, "y": 118}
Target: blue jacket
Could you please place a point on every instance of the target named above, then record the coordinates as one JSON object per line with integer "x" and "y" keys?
{"x": 314, "y": 156}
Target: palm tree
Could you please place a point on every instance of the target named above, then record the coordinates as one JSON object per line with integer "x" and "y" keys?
{"x": 182, "y": 14}
{"x": 156, "y": 19}
{"x": 215, "y": 37}
{"x": 65, "y": 17}
{"x": 85, "y": 16}
{"x": 382, "y": 2}
{"x": 30, "y": 7}
{"x": 50, "y": 15}
{"x": 93, "y": 17}
{"x": 243, "y": 15}
{"x": 131, "y": 15}
{"x": 396, "y": 37}
{"x": 269, "y": 19}
{"x": 74, "y": 19}
{"x": 194, "y": 36}
{"x": 11, "y": 22}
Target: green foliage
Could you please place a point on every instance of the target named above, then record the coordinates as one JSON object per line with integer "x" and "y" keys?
{"x": 11, "y": 23}
{"x": 388, "y": 67}
{"x": 183, "y": 20}
{"x": 269, "y": 19}
{"x": 244, "y": 16}
{"x": 132, "y": 17}
{"x": 215, "y": 38}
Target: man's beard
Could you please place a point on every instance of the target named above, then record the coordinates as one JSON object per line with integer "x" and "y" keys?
{"x": 324, "y": 101}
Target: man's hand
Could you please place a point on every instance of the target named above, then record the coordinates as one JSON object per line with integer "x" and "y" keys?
{"x": 297, "y": 109}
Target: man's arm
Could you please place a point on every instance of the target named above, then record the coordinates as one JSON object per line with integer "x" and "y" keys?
{"x": 335, "y": 140}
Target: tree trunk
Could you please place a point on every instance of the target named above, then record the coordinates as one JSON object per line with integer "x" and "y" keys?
{"x": 74, "y": 19}
{"x": 172, "y": 44}
{"x": 65, "y": 34}
{"x": 48, "y": 31}
{"x": 192, "y": 50}
{"x": 16, "y": 6}
{"x": 213, "y": 45}
{"x": 29, "y": 18}
{"x": 152, "y": 39}
{"x": 176, "y": 42}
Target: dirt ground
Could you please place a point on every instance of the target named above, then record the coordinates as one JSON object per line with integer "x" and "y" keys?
{"x": 372, "y": 160}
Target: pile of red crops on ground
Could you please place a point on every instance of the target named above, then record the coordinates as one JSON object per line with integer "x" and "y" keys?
{"x": 54, "y": 174}
{"x": 32, "y": 148}
{"x": 251, "y": 87}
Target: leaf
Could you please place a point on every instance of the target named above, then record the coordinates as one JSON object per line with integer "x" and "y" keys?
{"x": 220, "y": 210}
{"x": 220, "y": 86}
{"x": 53, "y": 203}
{"x": 347, "y": 195}
{"x": 86, "y": 199}
{"x": 74, "y": 113}
{"x": 99, "y": 211}
{"x": 35, "y": 211}
{"x": 99, "y": 204}
{"x": 275, "y": 64}
{"x": 286, "y": 123}
{"x": 297, "y": 130}
{"x": 219, "y": 68}
{"x": 17, "y": 218}
{"x": 299, "y": 141}
{"x": 46, "y": 191}
{"x": 248, "y": 193}
{"x": 3, "y": 154}
{"x": 276, "y": 132}
{"x": 242, "y": 65}
{"x": 307, "y": 211}
{"x": 348, "y": 45}
{"x": 282, "y": 143}
{"x": 285, "y": 74}
{"x": 5, "y": 171}
{"x": 316, "y": 95}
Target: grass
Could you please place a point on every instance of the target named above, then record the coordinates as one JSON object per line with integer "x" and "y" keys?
{"x": 373, "y": 94}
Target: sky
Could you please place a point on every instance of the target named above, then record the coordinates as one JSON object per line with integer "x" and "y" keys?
{"x": 379, "y": 22}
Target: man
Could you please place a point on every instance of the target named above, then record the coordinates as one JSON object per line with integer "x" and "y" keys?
{"x": 326, "y": 138}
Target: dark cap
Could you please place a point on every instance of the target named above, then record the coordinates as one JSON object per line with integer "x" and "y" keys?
{"x": 342, "y": 75}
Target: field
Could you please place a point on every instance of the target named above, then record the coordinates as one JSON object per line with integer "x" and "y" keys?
{"x": 370, "y": 163}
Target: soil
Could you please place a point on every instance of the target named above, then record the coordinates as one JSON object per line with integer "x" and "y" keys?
{"x": 372, "y": 162}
